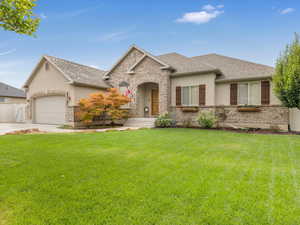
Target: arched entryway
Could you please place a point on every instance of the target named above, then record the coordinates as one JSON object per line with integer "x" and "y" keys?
{"x": 148, "y": 100}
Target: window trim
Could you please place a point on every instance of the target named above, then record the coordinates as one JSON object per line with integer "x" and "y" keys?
{"x": 249, "y": 92}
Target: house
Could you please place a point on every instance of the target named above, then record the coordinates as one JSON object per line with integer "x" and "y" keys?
{"x": 9, "y": 94}
{"x": 170, "y": 83}
{"x": 12, "y": 104}
{"x": 55, "y": 87}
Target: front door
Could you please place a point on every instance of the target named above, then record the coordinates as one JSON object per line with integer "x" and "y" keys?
{"x": 154, "y": 102}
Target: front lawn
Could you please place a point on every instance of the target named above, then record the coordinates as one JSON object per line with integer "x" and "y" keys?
{"x": 150, "y": 177}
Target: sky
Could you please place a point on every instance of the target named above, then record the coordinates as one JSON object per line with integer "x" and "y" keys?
{"x": 98, "y": 32}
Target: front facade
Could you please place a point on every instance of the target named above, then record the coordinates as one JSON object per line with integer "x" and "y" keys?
{"x": 170, "y": 83}
{"x": 184, "y": 87}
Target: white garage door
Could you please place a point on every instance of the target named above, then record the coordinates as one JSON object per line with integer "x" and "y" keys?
{"x": 50, "y": 110}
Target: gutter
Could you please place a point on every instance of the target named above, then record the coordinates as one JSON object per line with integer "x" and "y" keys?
{"x": 78, "y": 84}
{"x": 217, "y": 71}
{"x": 244, "y": 79}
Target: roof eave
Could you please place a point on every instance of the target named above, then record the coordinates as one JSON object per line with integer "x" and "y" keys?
{"x": 8, "y": 96}
{"x": 79, "y": 84}
{"x": 216, "y": 71}
{"x": 244, "y": 79}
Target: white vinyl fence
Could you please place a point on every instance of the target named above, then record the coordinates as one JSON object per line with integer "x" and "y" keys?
{"x": 295, "y": 119}
{"x": 12, "y": 113}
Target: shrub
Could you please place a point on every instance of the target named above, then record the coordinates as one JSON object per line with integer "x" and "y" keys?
{"x": 101, "y": 106}
{"x": 164, "y": 121}
{"x": 287, "y": 76}
{"x": 207, "y": 120}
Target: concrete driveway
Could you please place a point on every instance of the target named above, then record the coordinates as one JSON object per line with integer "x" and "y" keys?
{"x": 10, "y": 127}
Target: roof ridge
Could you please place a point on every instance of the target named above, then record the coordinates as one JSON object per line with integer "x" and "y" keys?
{"x": 170, "y": 53}
{"x": 233, "y": 58}
{"x": 79, "y": 64}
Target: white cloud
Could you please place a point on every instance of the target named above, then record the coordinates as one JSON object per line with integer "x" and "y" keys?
{"x": 96, "y": 67}
{"x": 220, "y": 6}
{"x": 8, "y": 52}
{"x": 43, "y": 16}
{"x": 209, "y": 13}
{"x": 115, "y": 36}
{"x": 286, "y": 11}
{"x": 208, "y": 8}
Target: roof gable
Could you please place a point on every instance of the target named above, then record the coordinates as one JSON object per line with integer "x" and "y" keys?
{"x": 145, "y": 54}
{"x": 74, "y": 73}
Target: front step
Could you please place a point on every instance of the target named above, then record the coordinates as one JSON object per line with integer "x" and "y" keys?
{"x": 140, "y": 122}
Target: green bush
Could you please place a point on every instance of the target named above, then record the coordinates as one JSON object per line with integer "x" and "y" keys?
{"x": 164, "y": 121}
{"x": 207, "y": 120}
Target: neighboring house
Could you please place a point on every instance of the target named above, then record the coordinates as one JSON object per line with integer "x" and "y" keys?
{"x": 9, "y": 94}
{"x": 171, "y": 83}
{"x": 55, "y": 87}
{"x": 12, "y": 104}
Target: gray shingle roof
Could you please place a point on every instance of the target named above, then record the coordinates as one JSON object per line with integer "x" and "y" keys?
{"x": 235, "y": 69}
{"x": 229, "y": 68}
{"x": 9, "y": 91}
{"x": 183, "y": 64}
{"x": 80, "y": 74}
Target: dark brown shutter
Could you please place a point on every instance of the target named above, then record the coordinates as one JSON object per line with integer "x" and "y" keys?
{"x": 202, "y": 94}
{"x": 265, "y": 92}
{"x": 178, "y": 96}
{"x": 233, "y": 94}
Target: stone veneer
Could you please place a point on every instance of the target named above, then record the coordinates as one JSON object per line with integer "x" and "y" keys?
{"x": 147, "y": 71}
{"x": 269, "y": 117}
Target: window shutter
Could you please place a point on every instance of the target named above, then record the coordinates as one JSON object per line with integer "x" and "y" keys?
{"x": 265, "y": 92}
{"x": 202, "y": 94}
{"x": 233, "y": 94}
{"x": 178, "y": 96}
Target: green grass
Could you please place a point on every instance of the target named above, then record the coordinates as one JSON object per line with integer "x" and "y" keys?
{"x": 149, "y": 177}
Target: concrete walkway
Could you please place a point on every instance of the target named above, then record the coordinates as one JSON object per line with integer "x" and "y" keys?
{"x": 11, "y": 127}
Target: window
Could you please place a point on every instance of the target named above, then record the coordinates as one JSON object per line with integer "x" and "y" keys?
{"x": 2, "y": 99}
{"x": 190, "y": 96}
{"x": 249, "y": 93}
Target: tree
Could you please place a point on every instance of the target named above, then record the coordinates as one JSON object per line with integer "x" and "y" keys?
{"x": 104, "y": 105}
{"x": 17, "y": 16}
{"x": 287, "y": 76}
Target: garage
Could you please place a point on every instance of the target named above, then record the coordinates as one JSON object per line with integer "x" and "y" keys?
{"x": 50, "y": 110}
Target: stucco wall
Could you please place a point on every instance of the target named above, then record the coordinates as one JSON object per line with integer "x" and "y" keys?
{"x": 195, "y": 80}
{"x": 148, "y": 71}
{"x": 77, "y": 93}
{"x": 223, "y": 95}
